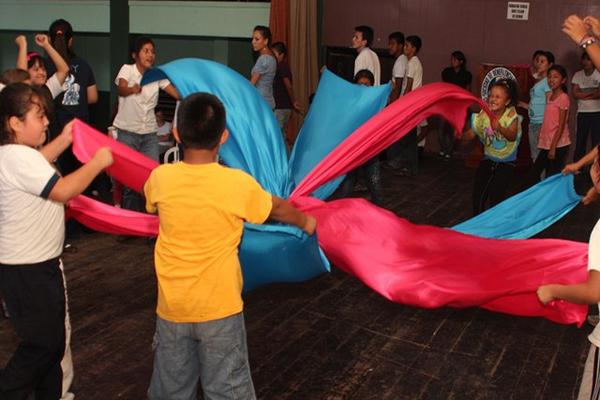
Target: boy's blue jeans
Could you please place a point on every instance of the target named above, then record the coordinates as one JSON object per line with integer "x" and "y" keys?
{"x": 214, "y": 351}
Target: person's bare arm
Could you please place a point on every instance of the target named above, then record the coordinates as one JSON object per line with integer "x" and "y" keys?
{"x": 21, "y": 42}
{"x": 75, "y": 183}
{"x": 92, "y": 94}
{"x": 577, "y": 28}
{"x": 283, "y": 211}
{"x": 125, "y": 90}
{"x": 172, "y": 91}
{"x": 510, "y": 132}
{"x": 62, "y": 68}
{"x": 562, "y": 120}
{"x": 409, "y": 85}
{"x": 583, "y": 293}
{"x": 52, "y": 150}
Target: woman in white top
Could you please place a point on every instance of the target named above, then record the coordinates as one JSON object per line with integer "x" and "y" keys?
{"x": 263, "y": 72}
{"x": 135, "y": 120}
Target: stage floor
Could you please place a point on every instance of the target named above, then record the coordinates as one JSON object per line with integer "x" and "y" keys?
{"x": 332, "y": 337}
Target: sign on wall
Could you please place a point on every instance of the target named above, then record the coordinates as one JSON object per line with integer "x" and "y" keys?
{"x": 518, "y": 10}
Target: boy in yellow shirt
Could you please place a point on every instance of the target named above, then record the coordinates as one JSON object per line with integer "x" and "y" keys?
{"x": 202, "y": 207}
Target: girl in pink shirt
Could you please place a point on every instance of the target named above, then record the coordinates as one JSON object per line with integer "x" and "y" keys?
{"x": 554, "y": 135}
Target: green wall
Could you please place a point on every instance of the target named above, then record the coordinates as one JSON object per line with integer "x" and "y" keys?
{"x": 218, "y": 31}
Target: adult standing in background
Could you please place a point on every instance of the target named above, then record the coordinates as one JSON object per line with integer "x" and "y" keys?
{"x": 263, "y": 72}
{"x": 367, "y": 58}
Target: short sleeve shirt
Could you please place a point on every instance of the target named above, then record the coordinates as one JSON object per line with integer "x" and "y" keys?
{"x": 136, "y": 111}
{"x": 32, "y": 228}
{"x": 414, "y": 70}
{"x": 73, "y": 102}
{"x": 552, "y": 121}
{"x": 202, "y": 209}
{"x": 399, "y": 69}
{"x": 537, "y": 102}
{"x": 587, "y": 83}
{"x": 495, "y": 146}
{"x": 266, "y": 67}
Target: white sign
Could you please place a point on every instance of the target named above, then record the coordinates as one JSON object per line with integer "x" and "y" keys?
{"x": 518, "y": 10}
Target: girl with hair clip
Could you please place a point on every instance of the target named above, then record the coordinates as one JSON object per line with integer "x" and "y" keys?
{"x": 135, "y": 120}
{"x": 500, "y": 137}
{"x": 554, "y": 141}
{"x": 33, "y": 63}
{"x": 32, "y": 198}
{"x": 265, "y": 68}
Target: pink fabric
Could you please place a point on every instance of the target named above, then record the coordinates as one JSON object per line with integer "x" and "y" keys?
{"x": 427, "y": 266}
{"x": 130, "y": 167}
{"x": 109, "y": 219}
{"x": 395, "y": 121}
{"x": 551, "y": 122}
{"x": 423, "y": 266}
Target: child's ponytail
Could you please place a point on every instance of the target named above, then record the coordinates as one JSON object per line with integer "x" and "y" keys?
{"x": 61, "y": 32}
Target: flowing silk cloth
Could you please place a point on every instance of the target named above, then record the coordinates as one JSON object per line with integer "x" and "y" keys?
{"x": 527, "y": 213}
{"x": 419, "y": 265}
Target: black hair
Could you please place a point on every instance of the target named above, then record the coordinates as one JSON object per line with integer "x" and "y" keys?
{"x": 140, "y": 42}
{"x": 34, "y": 58}
{"x": 549, "y": 56}
{"x": 15, "y": 101}
{"x": 538, "y": 53}
{"x": 562, "y": 71}
{"x": 265, "y": 33}
{"x": 415, "y": 41}
{"x": 398, "y": 37}
{"x": 510, "y": 87}
{"x": 14, "y": 75}
{"x": 60, "y": 33}
{"x": 460, "y": 56}
{"x": 367, "y": 33}
{"x": 201, "y": 121}
{"x": 279, "y": 47}
{"x": 364, "y": 73}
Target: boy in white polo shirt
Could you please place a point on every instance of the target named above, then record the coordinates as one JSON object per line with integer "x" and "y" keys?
{"x": 586, "y": 90}
{"x": 367, "y": 58}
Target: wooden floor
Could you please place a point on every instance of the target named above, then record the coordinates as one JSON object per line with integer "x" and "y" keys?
{"x": 331, "y": 338}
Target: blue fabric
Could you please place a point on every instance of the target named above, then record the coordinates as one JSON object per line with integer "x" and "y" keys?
{"x": 338, "y": 109}
{"x": 527, "y": 213}
{"x": 268, "y": 253}
{"x": 255, "y": 143}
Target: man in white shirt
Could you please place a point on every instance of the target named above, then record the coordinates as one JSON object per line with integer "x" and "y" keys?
{"x": 586, "y": 90}
{"x": 396, "y": 48}
{"x": 367, "y": 58}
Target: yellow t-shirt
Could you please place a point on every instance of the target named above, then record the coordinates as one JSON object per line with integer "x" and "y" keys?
{"x": 201, "y": 209}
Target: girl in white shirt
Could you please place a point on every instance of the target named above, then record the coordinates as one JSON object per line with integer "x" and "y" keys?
{"x": 135, "y": 120}
{"x": 32, "y": 197}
